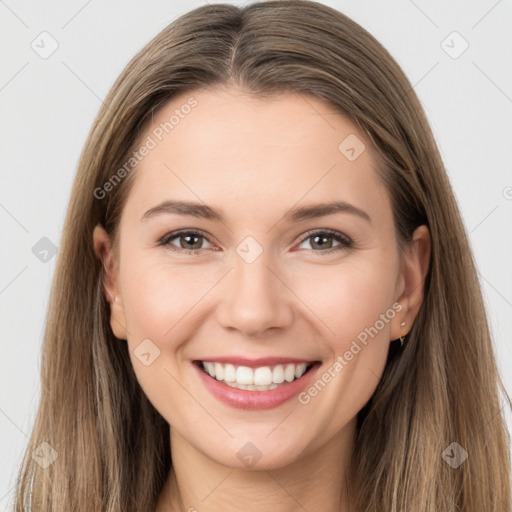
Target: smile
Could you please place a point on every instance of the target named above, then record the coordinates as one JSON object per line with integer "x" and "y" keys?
{"x": 254, "y": 385}
{"x": 262, "y": 378}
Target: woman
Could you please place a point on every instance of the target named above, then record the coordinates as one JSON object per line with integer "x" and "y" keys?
{"x": 265, "y": 296}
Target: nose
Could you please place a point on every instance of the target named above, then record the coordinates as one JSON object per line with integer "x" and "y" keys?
{"x": 255, "y": 299}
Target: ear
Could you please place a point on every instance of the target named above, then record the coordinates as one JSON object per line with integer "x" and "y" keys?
{"x": 415, "y": 265}
{"x": 104, "y": 252}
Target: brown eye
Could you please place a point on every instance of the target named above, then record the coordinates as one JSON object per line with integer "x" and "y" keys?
{"x": 189, "y": 242}
{"x": 322, "y": 241}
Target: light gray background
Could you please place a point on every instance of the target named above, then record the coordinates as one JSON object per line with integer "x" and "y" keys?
{"x": 48, "y": 105}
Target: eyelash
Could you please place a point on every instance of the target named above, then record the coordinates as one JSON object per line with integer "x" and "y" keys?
{"x": 346, "y": 242}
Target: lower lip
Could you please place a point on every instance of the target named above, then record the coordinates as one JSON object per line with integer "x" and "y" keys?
{"x": 255, "y": 400}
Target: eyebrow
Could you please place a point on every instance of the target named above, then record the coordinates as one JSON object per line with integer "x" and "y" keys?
{"x": 295, "y": 215}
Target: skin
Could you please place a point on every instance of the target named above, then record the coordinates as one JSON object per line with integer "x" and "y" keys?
{"x": 255, "y": 159}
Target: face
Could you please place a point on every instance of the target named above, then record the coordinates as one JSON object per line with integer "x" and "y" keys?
{"x": 255, "y": 284}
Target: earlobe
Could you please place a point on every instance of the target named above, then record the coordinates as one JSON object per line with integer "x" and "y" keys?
{"x": 415, "y": 266}
{"x": 104, "y": 252}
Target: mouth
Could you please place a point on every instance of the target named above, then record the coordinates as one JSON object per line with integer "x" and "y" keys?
{"x": 261, "y": 378}
{"x": 253, "y": 384}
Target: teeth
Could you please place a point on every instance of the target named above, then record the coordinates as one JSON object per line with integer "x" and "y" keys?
{"x": 229, "y": 373}
{"x": 278, "y": 374}
{"x": 210, "y": 368}
{"x": 263, "y": 376}
{"x": 300, "y": 370}
{"x": 219, "y": 371}
{"x": 254, "y": 379}
{"x": 253, "y": 388}
{"x": 244, "y": 375}
{"x": 289, "y": 373}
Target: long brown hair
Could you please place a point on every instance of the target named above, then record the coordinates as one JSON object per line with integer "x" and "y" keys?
{"x": 112, "y": 446}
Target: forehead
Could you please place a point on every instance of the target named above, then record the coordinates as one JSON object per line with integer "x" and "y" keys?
{"x": 224, "y": 145}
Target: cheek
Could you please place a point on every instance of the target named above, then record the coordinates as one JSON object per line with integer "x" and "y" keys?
{"x": 157, "y": 297}
{"x": 164, "y": 304}
{"x": 348, "y": 299}
{"x": 159, "y": 304}
{"x": 355, "y": 303}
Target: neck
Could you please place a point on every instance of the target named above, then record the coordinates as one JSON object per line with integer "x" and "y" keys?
{"x": 313, "y": 482}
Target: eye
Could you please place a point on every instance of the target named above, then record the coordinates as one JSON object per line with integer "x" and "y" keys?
{"x": 190, "y": 242}
{"x": 320, "y": 239}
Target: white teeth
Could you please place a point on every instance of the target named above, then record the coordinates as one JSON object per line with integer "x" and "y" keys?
{"x": 289, "y": 373}
{"x": 229, "y": 373}
{"x": 210, "y": 368}
{"x": 263, "y": 376}
{"x": 219, "y": 371}
{"x": 300, "y": 370}
{"x": 254, "y": 379}
{"x": 278, "y": 374}
{"x": 244, "y": 375}
{"x": 253, "y": 388}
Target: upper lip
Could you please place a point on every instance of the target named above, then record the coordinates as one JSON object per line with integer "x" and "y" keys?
{"x": 256, "y": 363}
